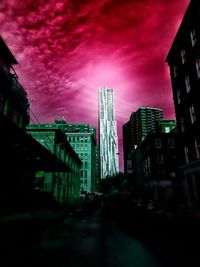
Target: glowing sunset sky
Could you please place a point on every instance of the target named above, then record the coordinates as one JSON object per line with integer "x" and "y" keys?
{"x": 66, "y": 49}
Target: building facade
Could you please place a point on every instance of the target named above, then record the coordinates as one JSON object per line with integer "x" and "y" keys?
{"x": 64, "y": 186}
{"x": 13, "y": 98}
{"x": 141, "y": 122}
{"x": 184, "y": 63}
{"x": 108, "y": 139}
{"x": 156, "y": 165}
{"x": 20, "y": 154}
{"x": 82, "y": 138}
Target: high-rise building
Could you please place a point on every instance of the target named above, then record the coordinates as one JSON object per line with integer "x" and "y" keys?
{"x": 109, "y": 163}
{"x": 184, "y": 63}
{"x": 142, "y": 122}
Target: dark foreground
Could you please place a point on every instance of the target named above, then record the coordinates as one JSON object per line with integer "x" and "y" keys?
{"x": 112, "y": 236}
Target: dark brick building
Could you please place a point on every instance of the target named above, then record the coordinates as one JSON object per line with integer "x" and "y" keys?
{"x": 184, "y": 63}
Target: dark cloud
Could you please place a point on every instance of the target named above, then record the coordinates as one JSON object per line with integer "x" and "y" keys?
{"x": 66, "y": 49}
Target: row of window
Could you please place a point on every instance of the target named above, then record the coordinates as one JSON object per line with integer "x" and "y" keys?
{"x": 193, "y": 39}
{"x": 81, "y": 150}
{"x": 170, "y": 142}
{"x": 192, "y": 118}
{"x": 197, "y": 150}
{"x": 187, "y": 80}
{"x": 77, "y": 139}
{"x": 81, "y": 145}
{"x": 83, "y": 174}
{"x": 187, "y": 87}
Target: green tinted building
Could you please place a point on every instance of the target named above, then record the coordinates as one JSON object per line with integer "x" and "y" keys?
{"x": 82, "y": 137}
{"x": 165, "y": 126}
{"x": 141, "y": 123}
{"x": 65, "y": 186}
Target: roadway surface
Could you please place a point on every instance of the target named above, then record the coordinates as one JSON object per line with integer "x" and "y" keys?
{"x": 93, "y": 239}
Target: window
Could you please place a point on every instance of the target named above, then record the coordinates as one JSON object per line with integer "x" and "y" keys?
{"x": 174, "y": 69}
{"x": 178, "y": 94}
{"x": 172, "y": 174}
{"x": 198, "y": 67}
{"x": 171, "y": 143}
{"x": 187, "y": 84}
{"x": 197, "y": 147}
{"x": 192, "y": 114}
{"x": 159, "y": 158}
{"x": 158, "y": 143}
{"x": 182, "y": 122}
{"x": 193, "y": 37}
{"x": 183, "y": 56}
{"x": 186, "y": 150}
{"x": 167, "y": 129}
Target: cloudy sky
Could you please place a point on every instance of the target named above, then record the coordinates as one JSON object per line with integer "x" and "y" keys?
{"x": 66, "y": 49}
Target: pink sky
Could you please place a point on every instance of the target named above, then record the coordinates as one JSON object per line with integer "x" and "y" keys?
{"x": 66, "y": 49}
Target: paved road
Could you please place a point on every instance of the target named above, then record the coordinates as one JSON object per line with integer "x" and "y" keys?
{"x": 89, "y": 240}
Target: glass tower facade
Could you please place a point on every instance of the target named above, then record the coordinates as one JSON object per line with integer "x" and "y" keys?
{"x": 109, "y": 163}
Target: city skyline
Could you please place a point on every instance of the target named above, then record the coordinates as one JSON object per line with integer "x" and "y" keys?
{"x": 66, "y": 49}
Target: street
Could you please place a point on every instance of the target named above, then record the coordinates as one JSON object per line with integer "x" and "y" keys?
{"x": 93, "y": 239}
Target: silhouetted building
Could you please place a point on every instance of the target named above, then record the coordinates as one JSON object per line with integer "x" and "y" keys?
{"x": 13, "y": 98}
{"x": 108, "y": 140}
{"x": 141, "y": 122}
{"x": 20, "y": 155}
{"x": 184, "y": 62}
{"x": 65, "y": 186}
{"x": 155, "y": 165}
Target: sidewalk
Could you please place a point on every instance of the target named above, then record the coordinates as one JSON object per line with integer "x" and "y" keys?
{"x": 19, "y": 228}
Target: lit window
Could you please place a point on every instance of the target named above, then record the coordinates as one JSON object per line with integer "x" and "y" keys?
{"x": 178, "y": 94}
{"x": 158, "y": 143}
{"x": 167, "y": 129}
{"x": 187, "y": 84}
{"x": 192, "y": 114}
{"x": 186, "y": 150}
{"x": 182, "y": 122}
{"x": 193, "y": 37}
{"x": 183, "y": 56}
{"x": 197, "y": 147}
{"x": 198, "y": 67}
{"x": 175, "y": 73}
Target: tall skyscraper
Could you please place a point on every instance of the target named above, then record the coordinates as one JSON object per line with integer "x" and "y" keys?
{"x": 109, "y": 163}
